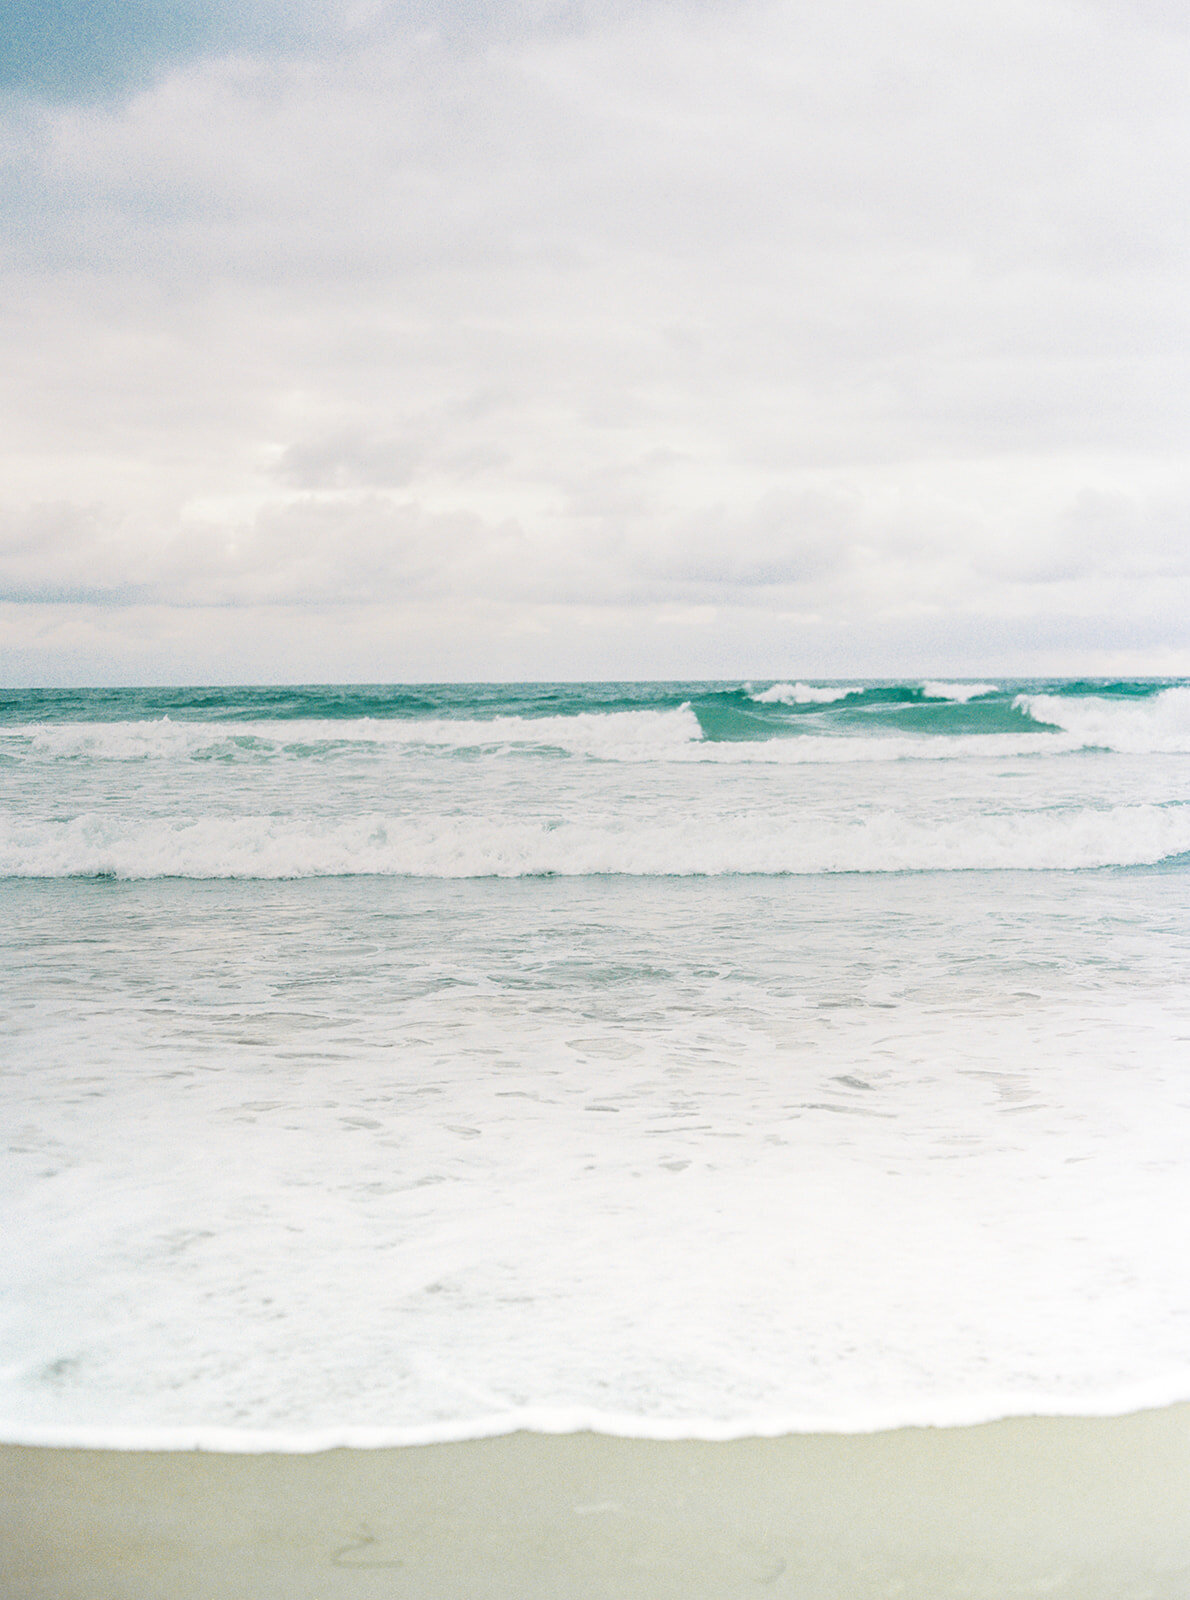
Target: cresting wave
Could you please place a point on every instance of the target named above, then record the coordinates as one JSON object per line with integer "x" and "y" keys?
{"x": 800, "y": 694}
{"x": 259, "y": 847}
{"x": 961, "y": 692}
{"x": 624, "y": 735}
{"x": 788, "y": 724}
{"x": 808, "y": 694}
{"x": 1160, "y": 725}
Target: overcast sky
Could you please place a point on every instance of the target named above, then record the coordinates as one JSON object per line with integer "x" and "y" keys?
{"x": 593, "y": 338}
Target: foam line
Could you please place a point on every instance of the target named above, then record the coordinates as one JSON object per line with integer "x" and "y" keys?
{"x": 257, "y": 847}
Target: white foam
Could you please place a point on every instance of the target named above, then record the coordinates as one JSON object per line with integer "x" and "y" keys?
{"x": 472, "y": 847}
{"x": 632, "y": 737}
{"x": 1157, "y": 724}
{"x": 468, "y": 1212}
{"x": 924, "y": 1412}
{"x": 800, "y": 694}
{"x": 839, "y": 749}
{"x": 961, "y": 692}
{"x": 624, "y": 735}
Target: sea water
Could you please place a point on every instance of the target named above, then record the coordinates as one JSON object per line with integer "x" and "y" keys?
{"x": 677, "y": 1060}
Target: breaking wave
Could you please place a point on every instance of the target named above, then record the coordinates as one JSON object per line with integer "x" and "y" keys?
{"x": 623, "y": 735}
{"x": 789, "y": 722}
{"x": 801, "y": 694}
{"x": 256, "y": 847}
{"x": 1156, "y": 725}
{"x": 960, "y": 692}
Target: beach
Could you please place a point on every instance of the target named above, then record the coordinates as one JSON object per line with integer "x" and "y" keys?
{"x": 1073, "y": 1509}
{"x": 594, "y": 801}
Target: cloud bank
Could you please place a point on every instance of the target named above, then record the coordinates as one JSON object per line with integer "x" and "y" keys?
{"x": 612, "y": 339}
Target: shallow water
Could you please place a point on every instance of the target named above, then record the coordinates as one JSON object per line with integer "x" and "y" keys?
{"x": 579, "y": 1079}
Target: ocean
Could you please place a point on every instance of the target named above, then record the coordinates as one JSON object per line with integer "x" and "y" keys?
{"x": 397, "y": 1065}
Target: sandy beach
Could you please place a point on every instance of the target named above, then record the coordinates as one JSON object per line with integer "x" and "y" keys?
{"x": 1073, "y": 1509}
{"x": 594, "y": 800}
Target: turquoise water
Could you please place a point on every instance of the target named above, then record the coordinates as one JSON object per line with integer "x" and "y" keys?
{"x": 694, "y": 1058}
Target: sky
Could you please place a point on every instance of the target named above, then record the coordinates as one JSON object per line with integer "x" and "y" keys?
{"x": 455, "y": 339}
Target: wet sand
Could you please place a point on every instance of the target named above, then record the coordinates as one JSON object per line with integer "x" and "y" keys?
{"x": 1069, "y": 1509}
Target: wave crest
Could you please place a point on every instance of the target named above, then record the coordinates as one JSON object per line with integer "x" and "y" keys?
{"x": 800, "y": 694}
{"x": 1158, "y": 725}
{"x": 624, "y": 735}
{"x": 931, "y": 721}
{"x": 258, "y": 847}
{"x": 958, "y": 692}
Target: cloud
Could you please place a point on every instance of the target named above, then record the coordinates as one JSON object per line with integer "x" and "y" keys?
{"x": 348, "y": 459}
{"x": 813, "y": 312}
{"x": 104, "y": 50}
{"x": 61, "y": 552}
{"x": 784, "y": 540}
{"x": 360, "y": 550}
{"x": 97, "y": 49}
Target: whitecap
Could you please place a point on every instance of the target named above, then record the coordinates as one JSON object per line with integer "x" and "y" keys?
{"x": 960, "y": 692}
{"x": 800, "y": 694}
{"x": 445, "y": 846}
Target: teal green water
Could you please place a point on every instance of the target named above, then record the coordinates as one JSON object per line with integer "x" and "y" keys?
{"x": 724, "y": 711}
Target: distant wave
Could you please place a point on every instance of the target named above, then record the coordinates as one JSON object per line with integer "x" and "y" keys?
{"x": 804, "y": 694}
{"x": 1152, "y": 725}
{"x": 349, "y": 703}
{"x": 1113, "y": 688}
{"x": 788, "y": 723}
{"x": 468, "y": 847}
{"x": 800, "y": 694}
{"x": 960, "y": 692}
{"x": 624, "y": 735}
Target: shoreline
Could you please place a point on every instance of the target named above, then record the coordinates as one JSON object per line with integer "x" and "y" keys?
{"x": 1075, "y": 1508}
{"x": 906, "y": 1416}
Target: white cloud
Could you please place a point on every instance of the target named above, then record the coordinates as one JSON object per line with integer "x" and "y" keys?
{"x": 827, "y": 313}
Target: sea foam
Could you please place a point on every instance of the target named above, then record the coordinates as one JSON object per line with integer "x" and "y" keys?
{"x": 623, "y": 735}
{"x": 800, "y": 694}
{"x": 646, "y": 1064}
{"x": 428, "y": 1163}
{"x": 98, "y": 845}
{"x": 1152, "y": 726}
{"x": 959, "y": 692}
